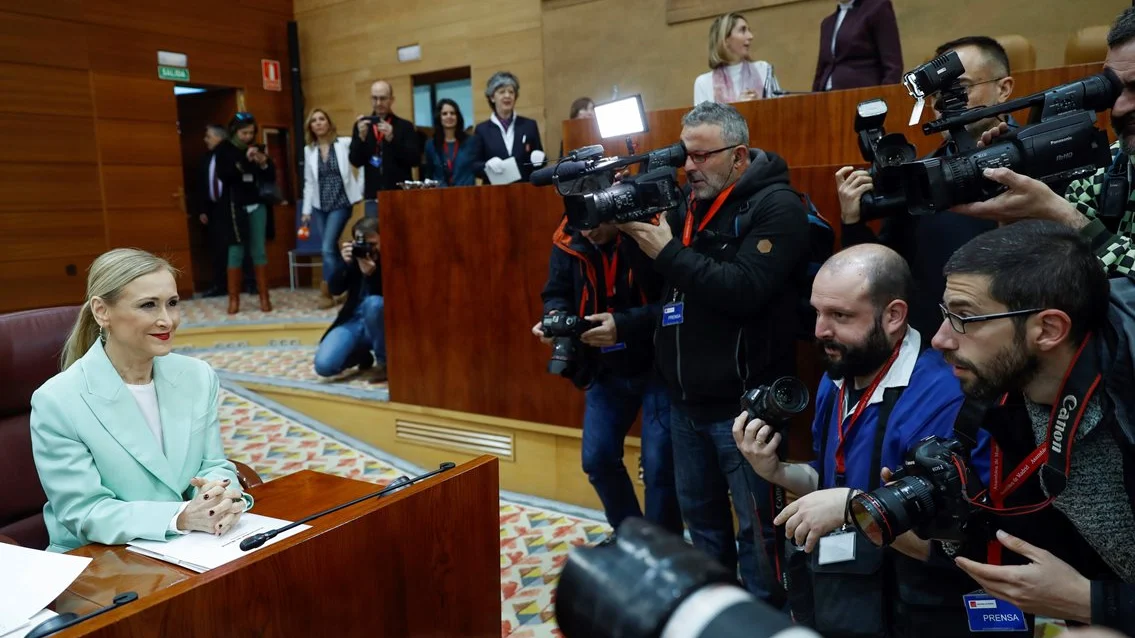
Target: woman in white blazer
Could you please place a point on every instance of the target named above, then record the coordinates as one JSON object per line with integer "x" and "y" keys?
{"x": 733, "y": 76}
{"x": 330, "y": 188}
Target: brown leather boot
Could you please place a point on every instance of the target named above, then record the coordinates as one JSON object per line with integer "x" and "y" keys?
{"x": 325, "y": 299}
{"x": 234, "y": 277}
{"x": 262, "y": 288}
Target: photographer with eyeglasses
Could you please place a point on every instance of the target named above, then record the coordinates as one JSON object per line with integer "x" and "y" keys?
{"x": 734, "y": 258}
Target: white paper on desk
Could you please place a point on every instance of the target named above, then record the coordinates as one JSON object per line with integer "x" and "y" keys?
{"x": 31, "y": 580}
{"x": 201, "y": 552}
{"x": 511, "y": 173}
{"x": 26, "y": 628}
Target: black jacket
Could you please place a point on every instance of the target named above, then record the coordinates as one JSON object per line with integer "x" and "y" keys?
{"x": 241, "y": 180}
{"x": 739, "y": 293}
{"x": 926, "y": 242}
{"x": 490, "y": 143}
{"x": 576, "y": 285}
{"x": 349, "y": 279}
{"x": 399, "y": 157}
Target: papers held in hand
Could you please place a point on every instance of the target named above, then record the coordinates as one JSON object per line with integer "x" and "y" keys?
{"x": 201, "y": 552}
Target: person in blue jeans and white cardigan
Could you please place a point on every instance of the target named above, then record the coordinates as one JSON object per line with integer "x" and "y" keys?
{"x": 331, "y": 186}
{"x": 357, "y": 337}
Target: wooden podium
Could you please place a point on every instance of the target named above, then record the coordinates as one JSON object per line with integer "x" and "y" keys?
{"x": 422, "y": 561}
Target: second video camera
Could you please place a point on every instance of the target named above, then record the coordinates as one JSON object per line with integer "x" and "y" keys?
{"x": 1060, "y": 142}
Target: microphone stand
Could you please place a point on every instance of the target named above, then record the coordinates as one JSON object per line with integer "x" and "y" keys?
{"x": 256, "y": 540}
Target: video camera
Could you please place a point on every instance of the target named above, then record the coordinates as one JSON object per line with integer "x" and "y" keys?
{"x": 776, "y": 403}
{"x": 1059, "y": 143}
{"x": 936, "y": 493}
{"x": 586, "y": 181}
{"x": 649, "y": 583}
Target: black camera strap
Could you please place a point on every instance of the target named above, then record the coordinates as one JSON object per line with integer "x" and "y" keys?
{"x": 1114, "y": 192}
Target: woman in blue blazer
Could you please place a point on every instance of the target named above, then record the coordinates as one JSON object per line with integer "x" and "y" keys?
{"x": 450, "y": 154}
{"x": 126, "y": 438}
{"x": 506, "y": 134}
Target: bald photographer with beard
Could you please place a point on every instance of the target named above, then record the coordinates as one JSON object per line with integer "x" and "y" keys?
{"x": 1040, "y": 340}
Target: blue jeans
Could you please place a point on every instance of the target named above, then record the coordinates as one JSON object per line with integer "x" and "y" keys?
{"x": 708, "y": 467}
{"x": 611, "y": 406}
{"x": 370, "y": 208}
{"x": 329, "y": 225}
{"x": 346, "y": 343}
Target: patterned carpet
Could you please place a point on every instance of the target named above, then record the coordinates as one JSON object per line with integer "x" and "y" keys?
{"x": 290, "y": 366}
{"x": 287, "y": 305}
{"x": 534, "y": 540}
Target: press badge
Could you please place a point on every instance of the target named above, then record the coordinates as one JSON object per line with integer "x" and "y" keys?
{"x": 986, "y": 613}
{"x": 672, "y": 313}
{"x": 376, "y": 161}
{"x": 614, "y": 348}
{"x": 838, "y": 547}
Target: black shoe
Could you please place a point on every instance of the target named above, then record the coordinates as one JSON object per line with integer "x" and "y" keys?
{"x": 610, "y": 540}
{"x": 361, "y": 358}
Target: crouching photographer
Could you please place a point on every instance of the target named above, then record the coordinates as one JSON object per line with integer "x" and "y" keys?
{"x": 357, "y": 337}
{"x": 883, "y": 392}
{"x": 1045, "y": 352}
{"x": 600, "y": 322}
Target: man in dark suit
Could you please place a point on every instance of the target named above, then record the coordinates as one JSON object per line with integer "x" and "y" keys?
{"x": 506, "y": 134}
{"x": 211, "y": 208}
{"x": 385, "y": 146}
{"x": 859, "y": 46}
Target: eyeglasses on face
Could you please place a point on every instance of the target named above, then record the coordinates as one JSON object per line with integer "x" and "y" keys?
{"x": 700, "y": 157}
{"x": 958, "y": 322}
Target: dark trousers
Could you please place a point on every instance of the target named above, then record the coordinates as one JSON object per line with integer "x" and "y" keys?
{"x": 611, "y": 407}
{"x": 217, "y": 245}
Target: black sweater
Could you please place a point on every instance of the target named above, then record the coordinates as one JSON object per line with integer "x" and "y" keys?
{"x": 399, "y": 157}
{"x": 739, "y": 294}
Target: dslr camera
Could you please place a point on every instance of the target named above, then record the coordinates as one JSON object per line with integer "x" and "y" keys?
{"x": 564, "y": 330}
{"x": 935, "y": 493}
{"x": 777, "y": 402}
{"x": 1060, "y": 142}
{"x": 361, "y": 248}
{"x": 586, "y": 181}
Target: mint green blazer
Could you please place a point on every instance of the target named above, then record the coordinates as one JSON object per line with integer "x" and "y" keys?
{"x": 106, "y": 479}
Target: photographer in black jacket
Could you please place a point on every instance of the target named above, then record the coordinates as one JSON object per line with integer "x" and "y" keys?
{"x": 600, "y": 276}
{"x": 734, "y": 258}
{"x": 385, "y": 146}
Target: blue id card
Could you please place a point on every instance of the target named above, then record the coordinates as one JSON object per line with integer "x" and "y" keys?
{"x": 672, "y": 313}
{"x": 376, "y": 161}
{"x": 987, "y": 613}
{"x": 614, "y": 348}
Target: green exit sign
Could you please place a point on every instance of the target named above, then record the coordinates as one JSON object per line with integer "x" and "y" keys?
{"x": 175, "y": 73}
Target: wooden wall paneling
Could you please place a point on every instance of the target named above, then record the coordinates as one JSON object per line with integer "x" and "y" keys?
{"x": 141, "y": 186}
{"x": 685, "y": 10}
{"x": 47, "y": 139}
{"x": 55, "y": 186}
{"x": 44, "y": 282}
{"x": 55, "y": 9}
{"x": 210, "y": 21}
{"x": 282, "y": 7}
{"x": 473, "y": 352}
{"x": 45, "y": 234}
{"x": 23, "y": 38}
{"x": 134, "y": 98}
{"x": 153, "y": 229}
{"x": 44, "y": 91}
{"x": 132, "y": 142}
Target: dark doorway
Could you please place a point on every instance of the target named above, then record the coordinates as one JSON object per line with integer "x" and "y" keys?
{"x": 196, "y": 110}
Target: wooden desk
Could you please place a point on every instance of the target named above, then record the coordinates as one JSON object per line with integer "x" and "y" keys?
{"x": 423, "y": 561}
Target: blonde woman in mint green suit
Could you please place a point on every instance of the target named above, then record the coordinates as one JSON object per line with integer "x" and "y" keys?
{"x": 126, "y": 438}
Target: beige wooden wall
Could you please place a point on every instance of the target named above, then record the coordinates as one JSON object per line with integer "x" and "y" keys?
{"x": 591, "y": 45}
{"x": 347, "y": 44}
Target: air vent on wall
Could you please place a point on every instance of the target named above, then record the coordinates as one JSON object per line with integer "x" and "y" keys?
{"x": 454, "y": 438}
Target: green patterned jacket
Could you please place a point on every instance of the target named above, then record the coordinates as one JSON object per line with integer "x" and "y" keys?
{"x": 1115, "y": 251}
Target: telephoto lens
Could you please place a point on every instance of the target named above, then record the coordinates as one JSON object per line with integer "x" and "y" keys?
{"x": 890, "y": 511}
{"x": 650, "y": 584}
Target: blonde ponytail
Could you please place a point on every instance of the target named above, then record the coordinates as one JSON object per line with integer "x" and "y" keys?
{"x": 109, "y": 274}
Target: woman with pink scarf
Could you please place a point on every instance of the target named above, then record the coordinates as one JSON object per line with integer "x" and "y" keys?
{"x": 734, "y": 77}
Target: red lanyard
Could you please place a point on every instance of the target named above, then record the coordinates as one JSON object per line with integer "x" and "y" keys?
{"x": 688, "y": 233}
{"x": 610, "y": 270}
{"x": 860, "y": 408}
{"x": 378, "y": 136}
{"x": 450, "y": 159}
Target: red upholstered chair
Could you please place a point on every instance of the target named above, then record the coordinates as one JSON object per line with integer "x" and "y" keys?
{"x": 30, "y": 344}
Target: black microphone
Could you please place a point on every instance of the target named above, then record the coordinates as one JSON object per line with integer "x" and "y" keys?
{"x": 63, "y": 621}
{"x": 563, "y": 170}
{"x": 783, "y": 93}
{"x": 256, "y": 540}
